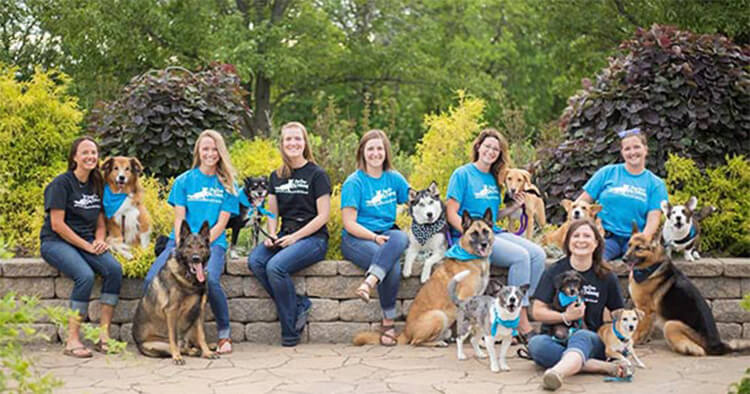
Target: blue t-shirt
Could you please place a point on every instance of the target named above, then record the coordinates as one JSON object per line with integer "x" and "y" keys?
{"x": 375, "y": 199}
{"x": 475, "y": 191}
{"x": 204, "y": 198}
{"x": 625, "y": 197}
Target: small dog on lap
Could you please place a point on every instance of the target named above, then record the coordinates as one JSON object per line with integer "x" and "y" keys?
{"x": 568, "y": 287}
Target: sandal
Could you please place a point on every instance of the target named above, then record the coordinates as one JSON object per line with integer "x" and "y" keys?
{"x": 78, "y": 352}
{"x": 363, "y": 291}
{"x": 385, "y": 332}
{"x": 101, "y": 347}
{"x": 220, "y": 345}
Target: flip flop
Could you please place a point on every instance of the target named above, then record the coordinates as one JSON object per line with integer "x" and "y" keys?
{"x": 221, "y": 344}
{"x": 384, "y": 333}
{"x": 76, "y": 352}
{"x": 101, "y": 347}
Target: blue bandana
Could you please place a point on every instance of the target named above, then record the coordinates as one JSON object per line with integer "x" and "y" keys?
{"x": 642, "y": 274}
{"x": 620, "y": 337}
{"x": 505, "y": 323}
{"x": 112, "y": 201}
{"x": 565, "y": 299}
{"x": 263, "y": 211}
{"x": 459, "y": 253}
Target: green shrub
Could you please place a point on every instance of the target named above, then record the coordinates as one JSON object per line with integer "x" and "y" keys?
{"x": 727, "y": 188}
{"x": 743, "y": 386}
{"x": 256, "y": 157}
{"x": 334, "y": 142}
{"x": 138, "y": 266}
{"x": 335, "y": 225}
{"x": 38, "y": 122}
{"x": 447, "y": 143}
{"x": 155, "y": 199}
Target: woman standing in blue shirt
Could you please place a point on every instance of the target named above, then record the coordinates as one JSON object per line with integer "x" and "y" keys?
{"x": 626, "y": 192}
{"x": 474, "y": 187}
{"x": 370, "y": 237}
{"x": 207, "y": 192}
{"x": 300, "y": 194}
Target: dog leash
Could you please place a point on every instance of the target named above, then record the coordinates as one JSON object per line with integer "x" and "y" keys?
{"x": 524, "y": 221}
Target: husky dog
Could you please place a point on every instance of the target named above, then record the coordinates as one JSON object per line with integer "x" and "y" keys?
{"x": 428, "y": 229}
{"x": 682, "y": 228}
{"x": 489, "y": 317}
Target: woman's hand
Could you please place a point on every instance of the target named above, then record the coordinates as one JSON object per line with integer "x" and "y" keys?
{"x": 268, "y": 242}
{"x": 574, "y": 311}
{"x": 286, "y": 240}
{"x": 99, "y": 246}
{"x": 519, "y": 198}
{"x": 380, "y": 239}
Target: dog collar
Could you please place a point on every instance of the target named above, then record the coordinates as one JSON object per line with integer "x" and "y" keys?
{"x": 617, "y": 333}
{"x": 639, "y": 275}
{"x": 423, "y": 232}
{"x": 565, "y": 299}
{"x": 459, "y": 253}
{"x": 112, "y": 201}
{"x": 505, "y": 323}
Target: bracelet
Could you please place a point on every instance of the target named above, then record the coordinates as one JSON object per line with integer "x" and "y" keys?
{"x": 374, "y": 238}
{"x": 562, "y": 314}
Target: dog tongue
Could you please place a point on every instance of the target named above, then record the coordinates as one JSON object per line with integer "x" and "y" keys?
{"x": 199, "y": 272}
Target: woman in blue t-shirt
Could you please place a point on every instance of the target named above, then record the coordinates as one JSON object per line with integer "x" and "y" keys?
{"x": 73, "y": 241}
{"x": 474, "y": 187}
{"x": 207, "y": 192}
{"x": 583, "y": 350}
{"x": 626, "y": 192}
{"x": 370, "y": 237}
{"x": 300, "y": 194}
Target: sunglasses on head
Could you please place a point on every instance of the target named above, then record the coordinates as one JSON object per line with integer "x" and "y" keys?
{"x": 629, "y": 132}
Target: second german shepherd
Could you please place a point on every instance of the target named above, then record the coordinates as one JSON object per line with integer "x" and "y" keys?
{"x": 432, "y": 312}
{"x": 664, "y": 293}
{"x": 175, "y": 303}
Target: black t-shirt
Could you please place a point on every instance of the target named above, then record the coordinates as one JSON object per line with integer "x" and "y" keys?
{"x": 80, "y": 202}
{"x": 297, "y": 194}
{"x": 597, "y": 293}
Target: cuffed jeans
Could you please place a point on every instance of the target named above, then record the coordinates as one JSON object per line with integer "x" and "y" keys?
{"x": 81, "y": 266}
{"x": 524, "y": 258}
{"x": 381, "y": 261}
{"x": 546, "y": 351}
{"x": 273, "y": 269}
{"x": 615, "y": 246}
{"x": 216, "y": 296}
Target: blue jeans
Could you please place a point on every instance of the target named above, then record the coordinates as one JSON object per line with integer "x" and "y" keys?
{"x": 381, "y": 261}
{"x": 81, "y": 266}
{"x": 547, "y": 352}
{"x": 216, "y": 296}
{"x": 273, "y": 269}
{"x": 525, "y": 259}
{"x": 615, "y": 246}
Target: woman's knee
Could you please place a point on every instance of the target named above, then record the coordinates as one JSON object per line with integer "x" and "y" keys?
{"x": 541, "y": 352}
{"x": 398, "y": 239}
{"x": 84, "y": 279}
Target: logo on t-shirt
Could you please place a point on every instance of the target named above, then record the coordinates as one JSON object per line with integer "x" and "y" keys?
{"x": 630, "y": 191}
{"x": 207, "y": 194}
{"x": 293, "y": 186}
{"x": 87, "y": 201}
{"x": 382, "y": 197}
{"x": 590, "y": 294}
{"x": 488, "y": 192}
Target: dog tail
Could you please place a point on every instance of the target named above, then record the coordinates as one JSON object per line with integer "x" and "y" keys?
{"x": 373, "y": 338}
{"x": 454, "y": 282}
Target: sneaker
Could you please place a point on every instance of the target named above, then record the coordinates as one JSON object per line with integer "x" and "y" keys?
{"x": 551, "y": 380}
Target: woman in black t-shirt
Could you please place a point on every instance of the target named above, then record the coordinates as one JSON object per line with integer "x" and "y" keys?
{"x": 583, "y": 350}
{"x": 73, "y": 240}
{"x": 300, "y": 194}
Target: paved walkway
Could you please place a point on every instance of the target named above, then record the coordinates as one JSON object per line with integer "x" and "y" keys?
{"x": 318, "y": 368}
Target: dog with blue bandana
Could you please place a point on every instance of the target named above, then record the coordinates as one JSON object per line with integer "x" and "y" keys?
{"x": 568, "y": 287}
{"x": 618, "y": 335}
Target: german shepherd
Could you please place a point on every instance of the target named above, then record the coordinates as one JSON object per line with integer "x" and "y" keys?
{"x": 432, "y": 312}
{"x": 663, "y": 292}
{"x": 174, "y": 305}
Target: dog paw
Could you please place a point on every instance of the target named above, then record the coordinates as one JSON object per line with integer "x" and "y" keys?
{"x": 504, "y": 367}
{"x": 178, "y": 360}
{"x": 441, "y": 344}
{"x": 461, "y": 357}
{"x": 211, "y": 356}
{"x": 641, "y": 366}
{"x": 424, "y": 278}
{"x": 494, "y": 368}
{"x": 481, "y": 355}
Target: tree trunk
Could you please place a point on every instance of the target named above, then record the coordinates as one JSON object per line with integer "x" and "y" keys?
{"x": 262, "y": 112}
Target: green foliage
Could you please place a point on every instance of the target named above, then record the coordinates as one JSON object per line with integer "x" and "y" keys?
{"x": 38, "y": 121}
{"x": 256, "y": 157}
{"x": 743, "y": 386}
{"x": 688, "y": 93}
{"x": 159, "y": 115}
{"x": 138, "y": 266}
{"x": 335, "y": 225}
{"x": 745, "y": 303}
{"x": 334, "y": 143}
{"x": 17, "y": 372}
{"x": 61, "y": 317}
{"x": 727, "y": 188}
{"x": 155, "y": 199}
{"x": 447, "y": 143}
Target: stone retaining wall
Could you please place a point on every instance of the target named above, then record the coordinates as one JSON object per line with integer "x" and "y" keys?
{"x": 336, "y": 314}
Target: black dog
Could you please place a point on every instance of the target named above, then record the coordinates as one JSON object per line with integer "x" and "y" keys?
{"x": 255, "y": 191}
{"x": 568, "y": 286}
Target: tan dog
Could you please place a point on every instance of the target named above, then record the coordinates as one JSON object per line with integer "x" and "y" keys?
{"x": 432, "y": 312}
{"x": 518, "y": 180}
{"x": 578, "y": 209}
{"x": 129, "y": 224}
{"x": 618, "y": 335}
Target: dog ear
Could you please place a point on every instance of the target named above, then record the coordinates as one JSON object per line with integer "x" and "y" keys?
{"x": 617, "y": 314}
{"x": 107, "y": 165}
{"x": 595, "y": 209}
{"x": 488, "y": 217}
{"x": 526, "y": 176}
{"x": 412, "y": 194}
{"x": 639, "y": 313}
{"x": 465, "y": 220}
{"x": 692, "y": 203}
{"x": 136, "y": 165}
{"x": 579, "y": 276}
{"x": 184, "y": 230}
{"x": 634, "y": 230}
{"x": 557, "y": 280}
{"x": 433, "y": 189}
{"x": 205, "y": 230}
{"x": 566, "y": 204}
{"x": 494, "y": 288}
{"x": 524, "y": 288}
{"x": 665, "y": 207}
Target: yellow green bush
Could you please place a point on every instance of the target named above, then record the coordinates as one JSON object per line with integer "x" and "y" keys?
{"x": 727, "y": 188}
{"x": 256, "y": 157}
{"x": 447, "y": 143}
{"x": 38, "y": 121}
{"x": 335, "y": 225}
{"x": 155, "y": 199}
{"x": 138, "y": 266}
